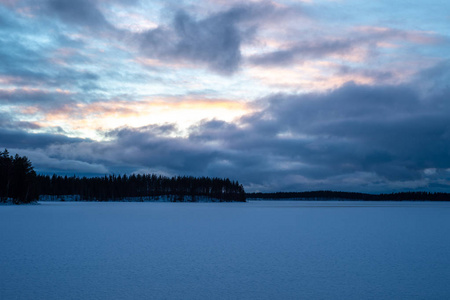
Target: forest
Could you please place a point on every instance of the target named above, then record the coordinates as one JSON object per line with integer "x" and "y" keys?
{"x": 140, "y": 187}
{"x": 19, "y": 183}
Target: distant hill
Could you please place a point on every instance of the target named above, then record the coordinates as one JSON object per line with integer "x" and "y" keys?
{"x": 329, "y": 195}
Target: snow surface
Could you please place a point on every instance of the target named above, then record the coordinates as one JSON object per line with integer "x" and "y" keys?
{"x": 254, "y": 250}
{"x": 162, "y": 198}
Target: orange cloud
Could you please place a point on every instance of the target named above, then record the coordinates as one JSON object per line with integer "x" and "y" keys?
{"x": 310, "y": 76}
{"x": 413, "y": 36}
{"x": 87, "y": 118}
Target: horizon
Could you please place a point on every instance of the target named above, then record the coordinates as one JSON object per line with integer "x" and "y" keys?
{"x": 278, "y": 95}
{"x": 113, "y": 175}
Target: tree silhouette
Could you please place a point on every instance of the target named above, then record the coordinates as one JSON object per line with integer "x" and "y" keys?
{"x": 17, "y": 179}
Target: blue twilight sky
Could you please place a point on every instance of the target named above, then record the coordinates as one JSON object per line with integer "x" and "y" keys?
{"x": 281, "y": 95}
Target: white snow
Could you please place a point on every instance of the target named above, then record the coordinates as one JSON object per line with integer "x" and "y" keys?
{"x": 255, "y": 250}
{"x": 162, "y": 198}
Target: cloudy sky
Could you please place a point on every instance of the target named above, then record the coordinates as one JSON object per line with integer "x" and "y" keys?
{"x": 282, "y": 95}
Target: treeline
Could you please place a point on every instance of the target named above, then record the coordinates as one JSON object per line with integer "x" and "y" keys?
{"x": 17, "y": 179}
{"x": 20, "y": 184}
{"x": 327, "y": 195}
{"x": 117, "y": 188}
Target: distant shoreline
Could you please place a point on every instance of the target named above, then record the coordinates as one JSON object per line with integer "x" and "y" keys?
{"x": 160, "y": 198}
{"x": 349, "y": 196}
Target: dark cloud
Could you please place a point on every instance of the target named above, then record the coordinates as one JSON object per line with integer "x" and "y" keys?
{"x": 363, "y": 138}
{"x": 51, "y": 165}
{"x": 302, "y": 51}
{"x": 155, "y": 130}
{"x": 120, "y": 2}
{"x": 434, "y": 80}
{"x": 34, "y": 97}
{"x": 357, "y": 137}
{"x": 10, "y": 123}
{"x": 377, "y": 75}
{"x": 324, "y": 46}
{"x": 14, "y": 138}
{"x": 214, "y": 41}
{"x": 80, "y": 12}
{"x": 142, "y": 147}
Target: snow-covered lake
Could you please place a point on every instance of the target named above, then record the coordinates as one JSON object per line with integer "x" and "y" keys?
{"x": 255, "y": 250}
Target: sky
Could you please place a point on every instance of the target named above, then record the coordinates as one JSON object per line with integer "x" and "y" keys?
{"x": 282, "y": 95}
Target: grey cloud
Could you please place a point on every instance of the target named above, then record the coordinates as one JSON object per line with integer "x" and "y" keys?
{"x": 80, "y": 12}
{"x": 362, "y": 138}
{"x": 214, "y": 41}
{"x": 321, "y": 47}
{"x": 385, "y": 130}
{"x": 302, "y": 51}
{"x": 122, "y": 2}
{"x": 376, "y": 75}
{"x": 25, "y": 66}
{"x": 10, "y": 123}
{"x": 152, "y": 150}
{"x": 391, "y": 134}
{"x": 44, "y": 101}
{"x": 31, "y": 97}
{"x": 49, "y": 165}
{"x": 435, "y": 80}
{"x": 14, "y": 138}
